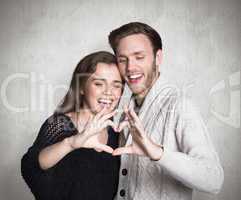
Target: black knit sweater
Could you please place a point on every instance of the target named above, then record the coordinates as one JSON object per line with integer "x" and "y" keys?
{"x": 83, "y": 174}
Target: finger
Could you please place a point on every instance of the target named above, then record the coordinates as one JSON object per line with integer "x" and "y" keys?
{"x": 127, "y": 114}
{"x": 122, "y": 150}
{"x": 135, "y": 121}
{"x": 105, "y": 148}
{"x": 124, "y": 115}
{"x": 122, "y": 125}
{"x": 132, "y": 123}
{"x": 125, "y": 108}
{"x": 133, "y": 115}
{"x": 101, "y": 113}
{"x": 107, "y": 116}
{"x": 135, "y": 124}
{"x": 108, "y": 123}
{"x": 130, "y": 120}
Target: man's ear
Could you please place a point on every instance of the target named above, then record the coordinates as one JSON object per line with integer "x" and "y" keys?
{"x": 159, "y": 56}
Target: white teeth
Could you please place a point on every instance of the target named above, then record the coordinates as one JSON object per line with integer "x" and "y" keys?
{"x": 105, "y": 101}
{"x": 135, "y": 76}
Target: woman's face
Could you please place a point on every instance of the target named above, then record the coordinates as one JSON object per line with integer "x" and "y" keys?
{"x": 103, "y": 88}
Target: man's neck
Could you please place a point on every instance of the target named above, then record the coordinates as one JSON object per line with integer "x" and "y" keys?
{"x": 139, "y": 98}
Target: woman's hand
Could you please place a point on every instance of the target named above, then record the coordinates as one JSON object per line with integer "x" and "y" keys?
{"x": 88, "y": 138}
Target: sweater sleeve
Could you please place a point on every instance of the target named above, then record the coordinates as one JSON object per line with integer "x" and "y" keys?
{"x": 196, "y": 164}
{"x": 42, "y": 182}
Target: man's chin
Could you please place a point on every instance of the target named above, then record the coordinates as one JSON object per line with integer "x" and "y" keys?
{"x": 136, "y": 90}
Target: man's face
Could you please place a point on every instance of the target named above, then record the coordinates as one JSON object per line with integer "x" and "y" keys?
{"x": 137, "y": 62}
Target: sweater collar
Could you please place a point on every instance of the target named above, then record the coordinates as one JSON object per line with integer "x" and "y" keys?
{"x": 155, "y": 91}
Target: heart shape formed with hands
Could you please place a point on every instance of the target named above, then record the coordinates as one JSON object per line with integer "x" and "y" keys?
{"x": 141, "y": 143}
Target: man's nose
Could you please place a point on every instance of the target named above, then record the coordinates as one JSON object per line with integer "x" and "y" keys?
{"x": 130, "y": 65}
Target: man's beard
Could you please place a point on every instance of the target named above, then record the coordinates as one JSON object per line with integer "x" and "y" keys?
{"x": 146, "y": 86}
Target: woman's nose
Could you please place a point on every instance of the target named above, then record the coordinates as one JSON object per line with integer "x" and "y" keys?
{"x": 108, "y": 90}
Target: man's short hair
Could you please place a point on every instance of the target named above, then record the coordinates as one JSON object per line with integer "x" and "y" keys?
{"x": 135, "y": 28}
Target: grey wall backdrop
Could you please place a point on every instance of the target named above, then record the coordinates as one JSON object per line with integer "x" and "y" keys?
{"x": 42, "y": 41}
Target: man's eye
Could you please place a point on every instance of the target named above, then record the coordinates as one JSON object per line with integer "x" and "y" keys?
{"x": 121, "y": 61}
{"x": 140, "y": 57}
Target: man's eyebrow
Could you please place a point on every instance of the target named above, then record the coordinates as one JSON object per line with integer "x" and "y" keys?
{"x": 121, "y": 56}
{"x": 135, "y": 53}
{"x": 138, "y": 52}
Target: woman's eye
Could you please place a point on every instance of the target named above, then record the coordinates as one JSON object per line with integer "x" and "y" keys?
{"x": 98, "y": 84}
{"x": 118, "y": 86}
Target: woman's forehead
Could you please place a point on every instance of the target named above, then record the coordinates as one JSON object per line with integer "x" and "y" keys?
{"x": 106, "y": 71}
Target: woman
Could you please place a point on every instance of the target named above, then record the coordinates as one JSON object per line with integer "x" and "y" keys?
{"x": 71, "y": 156}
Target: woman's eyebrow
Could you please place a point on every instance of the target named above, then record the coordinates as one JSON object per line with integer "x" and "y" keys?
{"x": 105, "y": 80}
{"x": 117, "y": 81}
{"x": 99, "y": 79}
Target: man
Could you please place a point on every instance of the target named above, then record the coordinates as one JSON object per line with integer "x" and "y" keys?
{"x": 167, "y": 151}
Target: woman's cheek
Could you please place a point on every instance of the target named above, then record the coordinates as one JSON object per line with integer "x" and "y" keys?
{"x": 118, "y": 95}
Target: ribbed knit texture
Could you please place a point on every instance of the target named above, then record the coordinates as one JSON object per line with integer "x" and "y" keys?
{"x": 189, "y": 160}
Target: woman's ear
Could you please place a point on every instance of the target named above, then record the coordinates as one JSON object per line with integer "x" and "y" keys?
{"x": 159, "y": 56}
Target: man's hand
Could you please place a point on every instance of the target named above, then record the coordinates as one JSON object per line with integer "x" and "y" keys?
{"x": 141, "y": 144}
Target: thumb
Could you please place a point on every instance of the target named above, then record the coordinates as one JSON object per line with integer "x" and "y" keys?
{"x": 108, "y": 123}
{"x": 123, "y": 150}
{"x": 105, "y": 148}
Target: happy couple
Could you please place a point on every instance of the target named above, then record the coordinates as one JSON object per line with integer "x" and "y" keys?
{"x": 161, "y": 148}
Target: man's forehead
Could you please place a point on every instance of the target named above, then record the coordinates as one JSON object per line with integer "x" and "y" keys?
{"x": 134, "y": 44}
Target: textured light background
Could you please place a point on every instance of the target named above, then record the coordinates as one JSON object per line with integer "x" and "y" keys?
{"x": 42, "y": 41}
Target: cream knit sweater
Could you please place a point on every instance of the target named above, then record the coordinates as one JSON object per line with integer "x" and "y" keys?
{"x": 189, "y": 160}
